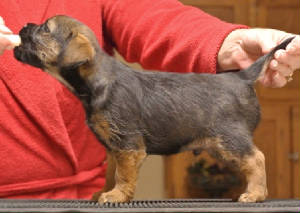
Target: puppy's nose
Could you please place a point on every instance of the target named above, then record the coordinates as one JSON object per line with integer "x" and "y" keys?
{"x": 27, "y": 31}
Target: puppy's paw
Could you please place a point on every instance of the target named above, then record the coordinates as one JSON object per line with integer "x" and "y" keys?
{"x": 251, "y": 197}
{"x": 114, "y": 196}
{"x": 97, "y": 195}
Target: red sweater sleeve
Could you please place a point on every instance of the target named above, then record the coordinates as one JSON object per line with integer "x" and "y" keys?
{"x": 165, "y": 34}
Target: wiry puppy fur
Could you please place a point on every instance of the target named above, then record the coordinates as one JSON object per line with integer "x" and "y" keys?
{"x": 137, "y": 113}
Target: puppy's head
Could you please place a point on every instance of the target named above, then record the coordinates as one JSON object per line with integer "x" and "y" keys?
{"x": 58, "y": 44}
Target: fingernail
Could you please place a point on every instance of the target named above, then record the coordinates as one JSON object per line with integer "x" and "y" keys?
{"x": 274, "y": 64}
{"x": 5, "y": 29}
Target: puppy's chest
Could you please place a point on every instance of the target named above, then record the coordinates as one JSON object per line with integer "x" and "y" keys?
{"x": 80, "y": 87}
{"x": 99, "y": 125}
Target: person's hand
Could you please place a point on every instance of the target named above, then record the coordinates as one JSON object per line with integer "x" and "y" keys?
{"x": 4, "y": 42}
{"x": 7, "y": 39}
{"x": 243, "y": 46}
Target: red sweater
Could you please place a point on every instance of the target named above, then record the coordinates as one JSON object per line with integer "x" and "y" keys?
{"x": 46, "y": 149}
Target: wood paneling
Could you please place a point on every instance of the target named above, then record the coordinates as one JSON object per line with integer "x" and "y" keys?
{"x": 295, "y": 151}
{"x": 228, "y": 10}
{"x": 278, "y": 14}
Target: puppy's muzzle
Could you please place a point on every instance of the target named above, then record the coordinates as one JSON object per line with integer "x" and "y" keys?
{"x": 28, "y": 32}
{"x": 26, "y": 52}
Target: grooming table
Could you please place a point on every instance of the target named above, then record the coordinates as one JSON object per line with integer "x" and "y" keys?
{"x": 172, "y": 205}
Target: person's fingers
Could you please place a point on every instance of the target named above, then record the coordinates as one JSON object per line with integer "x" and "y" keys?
{"x": 293, "y": 48}
{"x": 291, "y": 60}
{"x": 270, "y": 38}
{"x": 278, "y": 80}
{"x": 273, "y": 79}
{"x": 4, "y": 41}
{"x": 15, "y": 40}
{"x": 5, "y": 30}
{"x": 1, "y": 21}
{"x": 283, "y": 69}
{"x": 5, "y": 44}
{"x": 290, "y": 56}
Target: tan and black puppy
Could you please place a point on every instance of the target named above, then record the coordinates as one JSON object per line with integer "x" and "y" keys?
{"x": 137, "y": 113}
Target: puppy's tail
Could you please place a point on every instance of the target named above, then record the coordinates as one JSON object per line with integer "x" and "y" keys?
{"x": 259, "y": 67}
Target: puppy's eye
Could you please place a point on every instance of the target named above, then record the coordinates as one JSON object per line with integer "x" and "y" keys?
{"x": 43, "y": 55}
{"x": 45, "y": 28}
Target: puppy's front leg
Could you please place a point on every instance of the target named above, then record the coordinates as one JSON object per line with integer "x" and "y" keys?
{"x": 127, "y": 167}
{"x": 109, "y": 177}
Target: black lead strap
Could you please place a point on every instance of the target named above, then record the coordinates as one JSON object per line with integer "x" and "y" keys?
{"x": 172, "y": 205}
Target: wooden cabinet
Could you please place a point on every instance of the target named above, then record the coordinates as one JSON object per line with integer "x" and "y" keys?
{"x": 233, "y": 11}
{"x": 295, "y": 150}
{"x": 278, "y": 133}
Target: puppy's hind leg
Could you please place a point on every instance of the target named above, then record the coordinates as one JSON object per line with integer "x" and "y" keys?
{"x": 253, "y": 167}
{"x": 128, "y": 163}
{"x": 239, "y": 152}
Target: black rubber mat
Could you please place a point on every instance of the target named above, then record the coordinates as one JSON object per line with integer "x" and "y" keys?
{"x": 174, "y": 205}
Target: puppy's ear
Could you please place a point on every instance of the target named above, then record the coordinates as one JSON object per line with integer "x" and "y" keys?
{"x": 78, "y": 51}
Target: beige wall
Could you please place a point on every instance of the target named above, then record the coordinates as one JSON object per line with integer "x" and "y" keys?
{"x": 151, "y": 179}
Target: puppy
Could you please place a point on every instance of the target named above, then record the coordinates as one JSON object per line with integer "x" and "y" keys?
{"x": 136, "y": 113}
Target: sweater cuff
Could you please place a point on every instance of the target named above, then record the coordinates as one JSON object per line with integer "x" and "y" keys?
{"x": 214, "y": 45}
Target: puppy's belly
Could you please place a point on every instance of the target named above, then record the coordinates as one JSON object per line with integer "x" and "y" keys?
{"x": 163, "y": 148}
{"x": 171, "y": 146}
